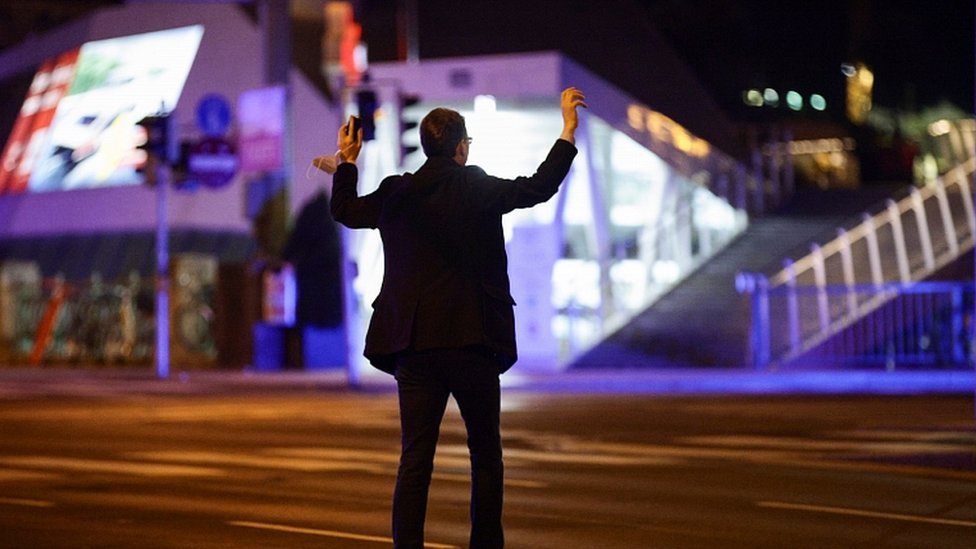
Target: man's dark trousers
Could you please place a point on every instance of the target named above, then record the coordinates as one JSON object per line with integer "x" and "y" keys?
{"x": 425, "y": 380}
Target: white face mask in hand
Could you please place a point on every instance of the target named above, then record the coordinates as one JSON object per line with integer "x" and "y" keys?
{"x": 327, "y": 163}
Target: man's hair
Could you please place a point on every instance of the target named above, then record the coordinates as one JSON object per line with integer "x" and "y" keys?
{"x": 441, "y": 131}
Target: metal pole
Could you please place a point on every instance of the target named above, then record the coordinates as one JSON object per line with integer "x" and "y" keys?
{"x": 894, "y": 217}
{"x": 275, "y": 20}
{"x": 762, "y": 350}
{"x": 847, "y": 264}
{"x": 601, "y": 225}
{"x": 792, "y": 305}
{"x": 759, "y": 191}
{"x": 820, "y": 280}
{"x": 789, "y": 174}
{"x": 409, "y": 45}
{"x": 355, "y": 335}
{"x": 162, "y": 270}
{"x": 924, "y": 236}
{"x": 271, "y": 223}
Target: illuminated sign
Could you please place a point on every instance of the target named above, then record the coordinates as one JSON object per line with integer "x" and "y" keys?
{"x": 77, "y": 126}
{"x": 860, "y": 83}
{"x": 663, "y": 129}
{"x": 261, "y": 113}
{"x": 342, "y": 49}
{"x": 45, "y": 92}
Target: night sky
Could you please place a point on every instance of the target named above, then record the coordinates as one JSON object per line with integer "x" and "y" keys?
{"x": 922, "y": 51}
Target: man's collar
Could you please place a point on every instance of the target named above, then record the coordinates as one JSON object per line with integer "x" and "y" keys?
{"x": 439, "y": 162}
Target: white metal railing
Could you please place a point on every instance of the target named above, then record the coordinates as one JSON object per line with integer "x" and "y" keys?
{"x": 812, "y": 299}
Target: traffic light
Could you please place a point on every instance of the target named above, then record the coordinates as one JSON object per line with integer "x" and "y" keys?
{"x": 409, "y": 138}
{"x": 366, "y": 102}
{"x": 160, "y": 145}
{"x": 161, "y": 136}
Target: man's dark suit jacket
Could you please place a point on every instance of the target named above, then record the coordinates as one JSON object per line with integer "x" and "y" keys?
{"x": 445, "y": 284}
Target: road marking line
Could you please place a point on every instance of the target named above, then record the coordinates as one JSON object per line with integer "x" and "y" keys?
{"x": 308, "y": 460}
{"x": 788, "y": 443}
{"x": 790, "y": 458}
{"x": 105, "y": 466}
{"x": 344, "y": 454}
{"x": 881, "y": 468}
{"x": 349, "y": 454}
{"x": 26, "y": 502}
{"x": 569, "y": 454}
{"x": 457, "y": 477}
{"x": 939, "y": 435}
{"x": 326, "y": 533}
{"x": 263, "y": 462}
{"x": 7, "y": 475}
{"x": 864, "y": 513}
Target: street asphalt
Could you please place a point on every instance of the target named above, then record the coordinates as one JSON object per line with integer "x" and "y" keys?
{"x": 91, "y": 381}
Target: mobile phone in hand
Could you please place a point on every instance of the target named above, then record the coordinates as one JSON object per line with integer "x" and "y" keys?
{"x": 357, "y": 123}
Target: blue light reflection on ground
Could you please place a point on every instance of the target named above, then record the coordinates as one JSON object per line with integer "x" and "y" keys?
{"x": 745, "y": 382}
{"x": 19, "y": 382}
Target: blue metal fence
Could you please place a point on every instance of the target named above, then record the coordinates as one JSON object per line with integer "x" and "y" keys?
{"x": 924, "y": 324}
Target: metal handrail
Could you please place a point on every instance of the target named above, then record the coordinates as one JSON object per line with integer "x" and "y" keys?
{"x": 892, "y": 216}
{"x": 926, "y": 230}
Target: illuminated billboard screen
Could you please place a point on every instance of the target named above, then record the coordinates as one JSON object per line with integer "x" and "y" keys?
{"x": 77, "y": 127}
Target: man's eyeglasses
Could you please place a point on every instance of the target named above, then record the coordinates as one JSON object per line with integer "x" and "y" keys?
{"x": 467, "y": 140}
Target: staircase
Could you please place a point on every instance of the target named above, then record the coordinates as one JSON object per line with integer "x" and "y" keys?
{"x": 704, "y": 321}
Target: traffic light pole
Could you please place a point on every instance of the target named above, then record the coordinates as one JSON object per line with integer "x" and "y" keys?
{"x": 163, "y": 176}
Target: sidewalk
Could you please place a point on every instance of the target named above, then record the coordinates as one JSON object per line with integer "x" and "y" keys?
{"x": 24, "y": 382}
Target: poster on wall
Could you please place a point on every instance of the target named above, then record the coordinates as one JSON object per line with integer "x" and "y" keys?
{"x": 77, "y": 127}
